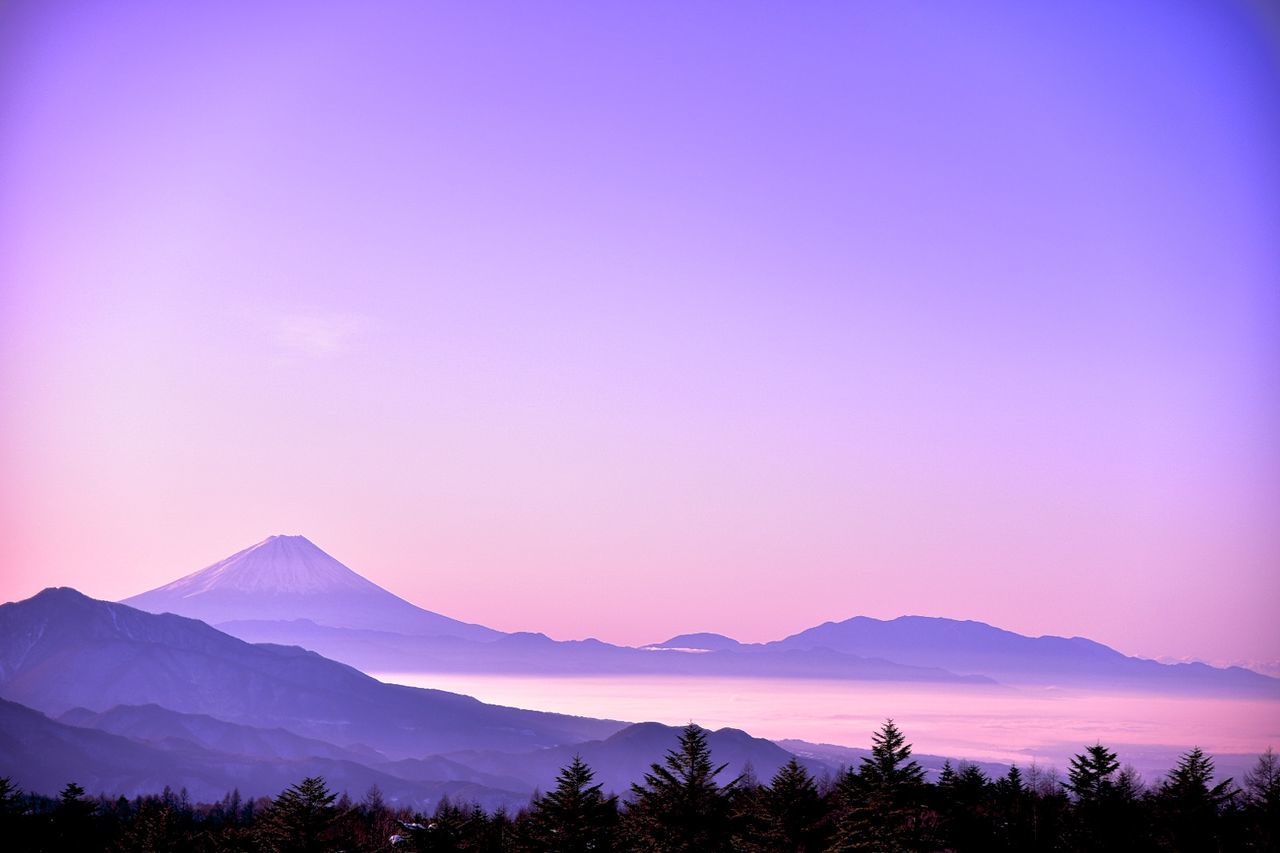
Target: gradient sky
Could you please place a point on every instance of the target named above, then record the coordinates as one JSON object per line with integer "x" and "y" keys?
{"x": 658, "y": 317}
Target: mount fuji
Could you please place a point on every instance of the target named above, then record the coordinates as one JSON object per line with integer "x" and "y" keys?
{"x": 288, "y": 578}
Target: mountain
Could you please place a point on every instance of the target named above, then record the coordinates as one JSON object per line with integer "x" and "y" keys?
{"x": 526, "y": 653}
{"x": 61, "y": 650}
{"x": 161, "y": 726}
{"x": 42, "y": 755}
{"x": 625, "y": 756}
{"x": 976, "y": 648}
{"x": 287, "y": 591}
{"x": 288, "y": 577}
{"x": 701, "y": 642}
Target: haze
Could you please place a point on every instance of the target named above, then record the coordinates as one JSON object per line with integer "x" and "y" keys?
{"x": 632, "y": 322}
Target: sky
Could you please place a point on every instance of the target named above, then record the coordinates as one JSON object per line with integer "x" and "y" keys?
{"x": 624, "y": 320}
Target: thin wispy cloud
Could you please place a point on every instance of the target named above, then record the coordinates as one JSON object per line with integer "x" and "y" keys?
{"x": 316, "y": 336}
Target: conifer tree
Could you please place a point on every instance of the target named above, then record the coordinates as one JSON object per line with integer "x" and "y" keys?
{"x": 680, "y": 806}
{"x": 1190, "y": 803}
{"x": 793, "y": 810}
{"x": 575, "y": 816}
{"x": 889, "y": 771}
{"x": 879, "y": 806}
{"x": 1262, "y": 801}
{"x": 297, "y": 820}
{"x": 1090, "y": 775}
{"x": 73, "y": 816}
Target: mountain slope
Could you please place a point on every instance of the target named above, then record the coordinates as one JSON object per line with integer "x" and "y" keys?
{"x": 42, "y": 755}
{"x": 624, "y": 757}
{"x": 61, "y": 650}
{"x": 526, "y": 653}
{"x": 977, "y": 648}
{"x": 288, "y": 577}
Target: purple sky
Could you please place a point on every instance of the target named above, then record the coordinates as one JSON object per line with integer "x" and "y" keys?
{"x": 662, "y": 317}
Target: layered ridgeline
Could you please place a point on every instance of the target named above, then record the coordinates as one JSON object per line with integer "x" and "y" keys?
{"x": 286, "y": 590}
{"x": 128, "y": 702}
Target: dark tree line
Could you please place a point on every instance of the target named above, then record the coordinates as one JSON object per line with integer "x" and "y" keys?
{"x": 686, "y": 804}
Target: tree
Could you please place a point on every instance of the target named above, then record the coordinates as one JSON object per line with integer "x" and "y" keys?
{"x": 680, "y": 806}
{"x": 10, "y": 809}
{"x": 1190, "y": 803}
{"x": 879, "y": 805}
{"x": 889, "y": 771}
{"x": 73, "y": 816}
{"x": 575, "y": 816}
{"x": 10, "y": 798}
{"x": 1090, "y": 776}
{"x": 1262, "y": 801}
{"x": 297, "y": 820}
{"x": 793, "y": 810}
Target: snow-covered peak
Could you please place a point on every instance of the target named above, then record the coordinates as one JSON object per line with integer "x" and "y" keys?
{"x": 289, "y": 578}
{"x": 277, "y": 564}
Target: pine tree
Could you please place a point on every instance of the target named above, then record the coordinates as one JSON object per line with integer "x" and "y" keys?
{"x": 73, "y": 816}
{"x": 575, "y": 816}
{"x": 680, "y": 807}
{"x": 297, "y": 820}
{"x": 1107, "y": 815}
{"x": 10, "y": 797}
{"x": 10, "y": 809}
{"x": 793, "y": 810}
{"x": 1262, "y": 801}
{"x": 879, "y": 805}
{"x": 1090, "y": 775}
{"x": 1190, "y": 803}
{"x": 889, "y": 771}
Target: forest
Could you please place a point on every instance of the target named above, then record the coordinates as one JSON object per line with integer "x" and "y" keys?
{"x": 685, "y": 804}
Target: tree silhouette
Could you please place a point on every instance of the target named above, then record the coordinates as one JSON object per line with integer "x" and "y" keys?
{"x": 1262, "y": 801}
{"x": 792, "y": 810}
{"x": 1190, "y": 803}
{"x": 879, "y": 805}
{"x": 889, "y": 771}
{"x": 680, "y": 807}
{"x": 574, "y": 816}
{"x": 297, "y": 820}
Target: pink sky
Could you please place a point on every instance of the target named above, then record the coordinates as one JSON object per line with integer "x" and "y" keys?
{"x": 636, "y": 321}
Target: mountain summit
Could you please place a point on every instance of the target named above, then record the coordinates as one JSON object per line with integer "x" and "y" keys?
{"x": 287, "y": 578}
{"x": 291, "y": 565}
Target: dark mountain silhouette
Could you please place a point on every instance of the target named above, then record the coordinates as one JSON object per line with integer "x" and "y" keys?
{"x": 61, "y": 650}
{"x": 40, "y": 754}
{"x": 288, "y": 577}
{"x": 979, "y": 649}
{"x": 624, "y": 757}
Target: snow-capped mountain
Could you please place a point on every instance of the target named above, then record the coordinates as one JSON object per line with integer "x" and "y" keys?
{"x": 285, "y": 578}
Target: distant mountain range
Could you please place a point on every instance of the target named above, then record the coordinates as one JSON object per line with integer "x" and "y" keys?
{"x": 127, "y": 702}
{"x": 286, "y": 590}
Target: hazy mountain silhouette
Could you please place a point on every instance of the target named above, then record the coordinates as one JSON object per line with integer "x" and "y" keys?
{"x": 980, "y": 649}
{"x": 42, "y": 755}
{"x": 61, "y": 650}
{"x": 286, "y": 590}
{"x": 703, "y": 641}
{"x": 158, "y": 725}
{"x": 525, "y": 653}
{"x": 288, "y": 577}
